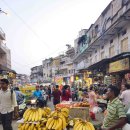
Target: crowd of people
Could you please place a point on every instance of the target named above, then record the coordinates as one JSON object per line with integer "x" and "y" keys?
{"x": 117, "y": 106}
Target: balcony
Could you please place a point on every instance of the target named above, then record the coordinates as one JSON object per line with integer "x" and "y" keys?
{"x": 2, "y": 34}
{"x": 3, "y": 48}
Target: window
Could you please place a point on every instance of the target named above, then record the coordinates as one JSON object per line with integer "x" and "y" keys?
{"x": 111, "y": 51}
{"x": 124, "y": 32}
{"x": 102, "y": 55}
{"x": 96, "y": 29}
{"x": 124, "y": 45}
{"x": 95, "y": 58}
{"x": 90, "y": 61}
{"x": 102, "y": 47}
{"x": 111, "y": 41}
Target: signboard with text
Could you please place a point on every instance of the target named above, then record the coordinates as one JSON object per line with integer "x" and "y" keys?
{"x": 119, "y": 65}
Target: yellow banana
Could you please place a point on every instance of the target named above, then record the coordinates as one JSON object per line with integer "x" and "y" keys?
{"x": 25, "y": 113}
{"x": 32, "y": 126}
{"x": 36, "y": 116}
{"x": 90, "y": 125}
{"x": 59, "y": 124}
{"x": 48, "y": 122}
{"x": 51, "y": 124}
{"x": 64, "y": 122}
{"x": 26, "y": 126}
{"x": 40, "y": 114}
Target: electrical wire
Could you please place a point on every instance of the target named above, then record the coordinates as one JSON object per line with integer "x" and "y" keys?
{"x": 26, "y": 24}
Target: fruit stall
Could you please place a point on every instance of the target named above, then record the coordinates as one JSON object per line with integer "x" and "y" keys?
{"x": 62, "y": 118}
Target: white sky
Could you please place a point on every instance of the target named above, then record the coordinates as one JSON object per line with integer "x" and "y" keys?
{"x": 39, "y": 29}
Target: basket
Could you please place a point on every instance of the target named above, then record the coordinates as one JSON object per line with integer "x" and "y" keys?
{"x": 79, "y": 112}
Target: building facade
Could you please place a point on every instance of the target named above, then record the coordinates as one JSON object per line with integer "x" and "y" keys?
{"x": 59, "y": 69}
{"x": 5, "y": 55}
{"x": 36, "y": 74}
{"x": 106, "y": 43}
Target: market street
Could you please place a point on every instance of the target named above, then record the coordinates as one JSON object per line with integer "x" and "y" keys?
{"x": 15, "y": 125}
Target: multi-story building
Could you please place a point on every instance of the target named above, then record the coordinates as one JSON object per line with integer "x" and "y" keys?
{"x": 47, "y": 70}
{"x": 22, "y": 79}
{"x": 5, "y": 55}
{"x": 104, "y": 48}
{"x": 60, "y": 68}
{"x": 36, "y": 74}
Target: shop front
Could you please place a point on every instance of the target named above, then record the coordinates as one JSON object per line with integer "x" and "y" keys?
{"x": 119, "y": 70}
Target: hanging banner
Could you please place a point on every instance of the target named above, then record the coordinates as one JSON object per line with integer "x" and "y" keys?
{"x": 59, "y": 80}
{"x": 119, "y": 65}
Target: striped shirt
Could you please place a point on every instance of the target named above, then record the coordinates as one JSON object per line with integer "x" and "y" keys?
{"x": 115, "y": 110}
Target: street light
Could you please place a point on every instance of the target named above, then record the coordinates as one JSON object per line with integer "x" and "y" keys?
{"x": 1, "y": 11}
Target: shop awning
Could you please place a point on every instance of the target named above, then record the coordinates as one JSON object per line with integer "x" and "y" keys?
{"x": 4, "y": 68}
{"x": 99, "y": 64}
{"x": 120, "y": 56}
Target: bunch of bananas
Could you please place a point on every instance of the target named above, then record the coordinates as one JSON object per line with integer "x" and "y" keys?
{"x": 83, "y": 125}
{"x": 28, "y": 126}
{"x": 63, "y": 112}
{"x": 33, "y": 115}
{"x": 56, "y": 123}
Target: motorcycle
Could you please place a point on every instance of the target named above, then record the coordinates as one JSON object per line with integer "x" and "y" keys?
{"x": 22, "y": 108}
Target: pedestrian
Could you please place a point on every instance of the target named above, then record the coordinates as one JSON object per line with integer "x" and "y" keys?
{"x": 125, "y": 96}
{"x": 56, "y": 95}
{"x": 80, "y": 94}
{"x": 115, "y": 118}
{"x": 38, "y": 95}
{"x": 66, "y": 95}
{"x": 44, "y": 95}
{"x": 8, "y": 105}
{"x": 19, "y": 96}
{"x": 92, "y": 98}
{"x": 49, "y": 93}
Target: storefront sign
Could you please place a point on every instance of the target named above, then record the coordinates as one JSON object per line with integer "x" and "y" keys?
{"x": 59, "y": 80}
{"x": 119, "y": 65}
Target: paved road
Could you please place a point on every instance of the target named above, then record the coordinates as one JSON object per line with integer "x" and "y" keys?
{"x": 15, "y": 125}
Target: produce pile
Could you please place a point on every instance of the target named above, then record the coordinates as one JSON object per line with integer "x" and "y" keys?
{"x": 70, "y": 105}
{"x": 44, "y": 119}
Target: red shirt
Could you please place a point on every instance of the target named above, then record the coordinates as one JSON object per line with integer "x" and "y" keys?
{"x": 56, "y": 94}
{"x": 66, "y": 96}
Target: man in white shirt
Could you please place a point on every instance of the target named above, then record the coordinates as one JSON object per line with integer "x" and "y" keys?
{"x": 8, "y": 104}
{"x": 125, "y": 96}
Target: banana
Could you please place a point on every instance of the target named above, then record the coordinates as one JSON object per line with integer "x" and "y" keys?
{"x": 48, "y": 122}
{"x": 26, "y": 126}
{"x": 40, "y": 114}
{"x": 65, "y": 114}
{"x": 90, "y": 126}
{"x": 59, "y": 124}
{"x": 32, "y": 126}
{"x": 55, "y": 124}
{"x": 36, "y": 116}
{"x": 25, "y": 113}
{"x": 81, "y": 127}
{"x": 23, "y": 127}
{"x": 78, "y": 126}
{"x": 64, "y": 122}
{"x": 65, "y": 110}
{"x": 30, "y": 117}
{"x": 51, "y": 124}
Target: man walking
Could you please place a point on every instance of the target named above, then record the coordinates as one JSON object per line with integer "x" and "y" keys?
{"x": 115, "y": 118}
{"x": 56, "y": 95}
{"x": 8, "y": 104}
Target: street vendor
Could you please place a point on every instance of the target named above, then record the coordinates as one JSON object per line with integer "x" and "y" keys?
{"x": 115, "y": 118}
